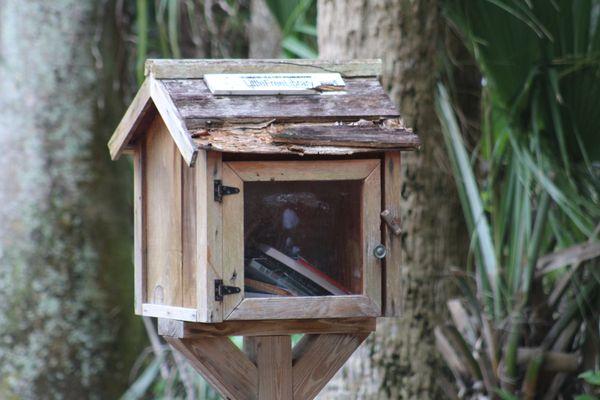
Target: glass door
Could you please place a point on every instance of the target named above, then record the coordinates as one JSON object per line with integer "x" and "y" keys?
{"x": 304, "y": 232}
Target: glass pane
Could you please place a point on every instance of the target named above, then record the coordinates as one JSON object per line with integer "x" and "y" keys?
{"x": 302, "y": 238}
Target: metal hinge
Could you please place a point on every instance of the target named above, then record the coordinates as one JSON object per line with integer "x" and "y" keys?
{"x": 222, "y": 190}
{"x": 223, "y": 290}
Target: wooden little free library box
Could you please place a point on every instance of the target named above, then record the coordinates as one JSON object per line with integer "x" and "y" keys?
{"x": 264, "y": 190}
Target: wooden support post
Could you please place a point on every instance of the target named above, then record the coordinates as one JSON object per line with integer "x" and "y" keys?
{"x": 268, "y": 368}
{"x": 273, "y": 355}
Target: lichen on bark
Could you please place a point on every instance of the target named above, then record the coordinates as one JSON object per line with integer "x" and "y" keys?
{"x": 54, "y": 328}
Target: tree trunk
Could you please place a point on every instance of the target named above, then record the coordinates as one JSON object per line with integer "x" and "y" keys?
{"x": 64, "y": 250}
{"x": 264, "y": 34}
{"x": 400, "y": 360}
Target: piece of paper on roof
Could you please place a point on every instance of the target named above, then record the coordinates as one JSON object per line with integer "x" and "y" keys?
{"x": 273, "y": 84}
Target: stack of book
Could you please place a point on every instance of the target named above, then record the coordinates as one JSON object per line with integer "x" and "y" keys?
{"x": 274, "y": 273}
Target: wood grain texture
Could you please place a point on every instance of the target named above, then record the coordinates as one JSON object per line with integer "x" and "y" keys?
{"x": 131, "y": 121}
{"x": 222, "y": 364}
{"x": 169, "y": 312}
{"x": 305, "y": 308}
{"x": 189, "y": 240}
{"x": 347, "y": 135}
{"x": 190, "y": 69}
{"x": 189, "y": 330}
{"x": 258, "y": 141}
{"x": 303, "y": 170}
{"x": 249, "y": 346}
{"x": 274, "y": 364}
{"x": 371, "y": 200}
{"x": 317, "y": 358}
{"x": 392, "y": 279}
{"x": 363, "y": 99}
{"x": 210, "y": 238}
{"x": 139, "y": 231}
{"x": 163, "y": 215}
{"x": 173, "y": 120}
{"x": 233, "y": 240}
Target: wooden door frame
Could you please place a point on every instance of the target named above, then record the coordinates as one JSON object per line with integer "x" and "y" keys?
{"x": 365, "y": 304}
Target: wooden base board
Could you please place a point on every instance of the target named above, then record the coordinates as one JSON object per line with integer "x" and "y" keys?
{"x": 269, "y": 368}
{"x": 193, "y": 330}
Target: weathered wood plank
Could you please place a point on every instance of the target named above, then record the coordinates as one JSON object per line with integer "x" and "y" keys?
{"x": 260, "y": 142}
{"x": 190, "y": 69}
{"x": 362, "y": 99}
{"x": 170, "y": 312}
{"x": 163, "y": 215}
{"x": 372, "y": 234}
{"x": 173, "y": 120}
{"x": 305, "y": 307}
{"x": 317, "y": 358}
{"x": 189, "y": 240}
{"x": 392, "y": 271}
{"x": 222, "y": 364}
{"x": 131, "y": 121}
{"x": 210, "y": 237}
{"x": 139, "y": 230}
{"x": 187, "y": 330}
{"x": 233, "y": 238}
{"x": 351, "y": 136}
{"x": 274, "y": 364}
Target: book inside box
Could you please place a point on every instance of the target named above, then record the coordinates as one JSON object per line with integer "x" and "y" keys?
{"x": 302, "y": 238}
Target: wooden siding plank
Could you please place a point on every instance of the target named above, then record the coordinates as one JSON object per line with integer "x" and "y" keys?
{"x": 189, "y": 69}
{"x": 222, "y": 364}
{"x": 190, "y": 330}
{"x": 317, "y": 358}
{"x": 392, "y": 274}
{"x": 305, "y": 307}
{"x": 364, "y": 98}
{"x": 131, "y": 121}
{"x": 173, "y": 120}
{"x": 163, "y": 212}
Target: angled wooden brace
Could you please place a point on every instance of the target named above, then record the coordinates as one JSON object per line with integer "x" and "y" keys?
{"x": 317, "y": 358}
{"x": 222, "y": 364}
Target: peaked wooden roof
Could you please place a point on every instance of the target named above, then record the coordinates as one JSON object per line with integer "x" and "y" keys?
{"x": 361, "y": 118}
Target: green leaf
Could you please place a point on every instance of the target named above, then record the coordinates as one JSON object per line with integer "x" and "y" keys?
{"x": 591, "y": 377}
{"x": 298, "y": 48}
{"x": 504, "y": 395}
{"x": 469, "y": 194}
{"x": 585, "y": 397}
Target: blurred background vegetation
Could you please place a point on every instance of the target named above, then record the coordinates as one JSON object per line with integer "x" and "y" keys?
{"x": 515, "y": 86}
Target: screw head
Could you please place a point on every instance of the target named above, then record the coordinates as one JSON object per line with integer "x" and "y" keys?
{"x": 380, "y": 251}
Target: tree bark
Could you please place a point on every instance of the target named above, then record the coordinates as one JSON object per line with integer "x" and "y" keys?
{"x": 264, "y": 34}
{"x": 400, "y": 360}
{"x": 64, "y": 249}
